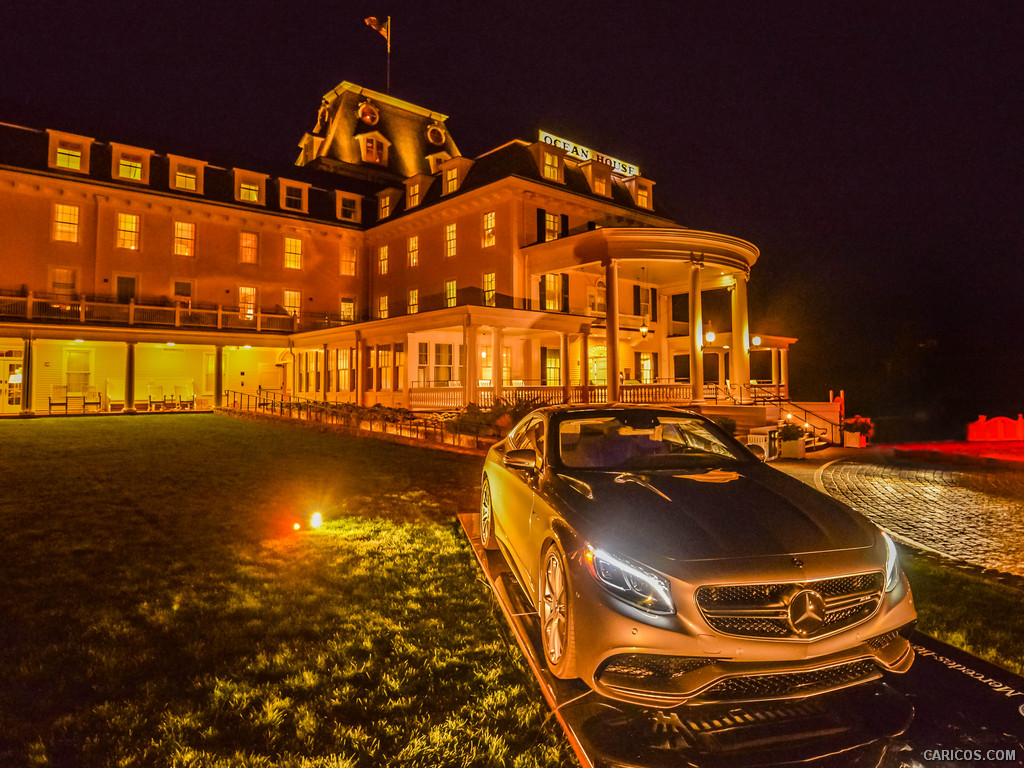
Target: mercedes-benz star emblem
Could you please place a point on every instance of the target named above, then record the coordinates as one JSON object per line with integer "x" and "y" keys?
{"x": 806, "y": 612}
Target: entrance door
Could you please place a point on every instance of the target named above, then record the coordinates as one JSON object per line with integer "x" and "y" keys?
{"x": 11, "y": 375}
{"x": 125, "y": 289}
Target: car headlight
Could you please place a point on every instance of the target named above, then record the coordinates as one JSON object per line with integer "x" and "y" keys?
{"x": 892, "y": 563}
{"x": 630, "y": 581}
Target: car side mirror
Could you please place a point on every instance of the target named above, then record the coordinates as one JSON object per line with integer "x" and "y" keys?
{"x": 525, "y": 458}
{"x": 757, "y": 450}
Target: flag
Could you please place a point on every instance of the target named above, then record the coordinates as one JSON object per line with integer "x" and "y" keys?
{"x": 383, "y": 27}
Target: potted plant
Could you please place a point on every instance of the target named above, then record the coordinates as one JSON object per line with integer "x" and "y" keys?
{"x": 792, "y": 437}
{"x": 856, "y": 432}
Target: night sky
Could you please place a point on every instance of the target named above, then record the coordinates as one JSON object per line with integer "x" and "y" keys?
{"x": 871, "y": 150}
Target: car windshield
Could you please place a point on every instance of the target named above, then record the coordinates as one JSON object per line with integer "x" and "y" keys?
{"x": 635, "y": 442}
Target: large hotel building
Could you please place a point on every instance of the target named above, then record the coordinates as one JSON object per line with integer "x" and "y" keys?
{"x": 386, "y": 267}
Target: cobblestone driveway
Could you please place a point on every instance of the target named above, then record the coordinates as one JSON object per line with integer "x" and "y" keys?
{"x": 975, "y": 515}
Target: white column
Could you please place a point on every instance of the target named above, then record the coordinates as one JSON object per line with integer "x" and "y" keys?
{"x": 696, "y": 338}
{"x": 784, "y": 371}
{"x": 497, "y": 359}
{"x": 664, "y": 372}
{"x": 739, "y": 352}
{"x": 585, "y": 365}
{"x": 27, "y": 386}
{"x": 611, "y": 281}
{"x": 472, "y": 363}
{"x": 563, "y": 343}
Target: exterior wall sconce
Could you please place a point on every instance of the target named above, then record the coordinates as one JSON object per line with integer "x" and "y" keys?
{"x": 709, "y": 337}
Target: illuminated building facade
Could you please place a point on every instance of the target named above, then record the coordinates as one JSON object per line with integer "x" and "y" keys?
{"x": 385, "y": 267}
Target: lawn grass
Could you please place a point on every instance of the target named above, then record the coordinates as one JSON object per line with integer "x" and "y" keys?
{"x": 158, "y": 609}
{"x": 967, "y": 609}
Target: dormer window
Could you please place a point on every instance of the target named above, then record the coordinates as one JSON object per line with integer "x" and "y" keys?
{"x": 451, "y": 180}
{"x": 185, "y": 177}
{"x": 601, "y": 186}
{"x": 385, "y": 208}
{"x": 69, "y": 156}
{"x": 373, "y": 148}
{"x": 69, "y": 152}
{"x": 130, "y": 163}
{"x": 416, "y": 189}
{"x": 642, "y": 191}
{"x": 386, "y": 200}
{"x": 250, "y": 187}
{"x": 130, "y": 167}
{"x": 186, "y": 174}
{"x": 294, "y": 196}
{"x": 551, "y": 166}
{"x": 347, "y": 207}
{"x": 414, "y": 195}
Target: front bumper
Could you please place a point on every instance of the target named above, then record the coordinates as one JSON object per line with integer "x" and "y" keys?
{"x": 627, "y": 654}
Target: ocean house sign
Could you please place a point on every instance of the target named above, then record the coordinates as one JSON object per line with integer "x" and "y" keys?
{"x": 581, "y": 153}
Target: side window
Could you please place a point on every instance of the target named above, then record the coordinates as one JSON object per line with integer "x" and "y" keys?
{"x": 530, "y": 435}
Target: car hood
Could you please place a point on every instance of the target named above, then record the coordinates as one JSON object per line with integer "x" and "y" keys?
{"x": 738, "y": 511}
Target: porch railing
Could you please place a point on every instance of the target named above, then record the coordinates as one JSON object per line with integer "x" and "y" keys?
{"x": 107, "y": 310}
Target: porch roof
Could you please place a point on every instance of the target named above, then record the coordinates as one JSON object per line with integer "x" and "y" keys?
{"x": 665, "y": 253}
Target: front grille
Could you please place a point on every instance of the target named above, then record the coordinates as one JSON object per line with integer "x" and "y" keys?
{"x": 648, "y": 672}
{"x": 790, "y": 684}
{"x": 878, "y": 643}
{"x": 762, "y": 610}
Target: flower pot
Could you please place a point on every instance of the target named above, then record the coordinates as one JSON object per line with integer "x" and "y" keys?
{"x": 854, "y": 440}
{"x": 794, "y": 449}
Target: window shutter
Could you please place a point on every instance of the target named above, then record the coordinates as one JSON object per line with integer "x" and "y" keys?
{"x": 636, "y": 299}
{"x": 541, "y": 294}
{"x": 636, "y": 366}
{"x": 352, "y": 368}
{"x": 654, "y": 305}
{"x": 654, "y": 365}
{"x": 565, "y": 292}
{"x": 541, "y": 224}
{"x": 565, "y": 226}
{"x": 543, "y": 366}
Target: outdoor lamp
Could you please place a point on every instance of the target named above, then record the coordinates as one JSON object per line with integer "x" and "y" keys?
{"x": 644, "y": 330}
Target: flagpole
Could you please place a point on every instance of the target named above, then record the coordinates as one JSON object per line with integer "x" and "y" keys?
{"x": 389, "y": 56}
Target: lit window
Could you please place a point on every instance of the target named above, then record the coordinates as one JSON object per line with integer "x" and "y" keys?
{"x": 552, "y": 227}
{"x": 552, "y": 367}
{"x": 348, "y": 208}
{"x": 185, "y": 177}
{"x": 292, "y": 253}
{"x": 384, "y": 369}
{"x": 248, "y": 247}
{"x": 128, "y": 231}
{"x": 414, "y": 195}
{"x": 449, "y": 239}
{"x": 65, "y": 223}
{"x": 451, "y": 180}
{"x": 489, "y": 291}
{"x": 78, "y": 370}
{"x": 643, "y": 197}
{"x": 373, "y": 150}
{"x": 443, "y": 359}
{"x": 550, "y": 166}
{"x": 646, "y": 372}
{"x": 348, "y": 260}
{"x": 69, "y": 156}
{"x": 601, "y": 185}
{"x": 489, "y": 238}
{"x": 292, "y": 302}
{"x": 382, "y": 260}
{"x": 385, "y": 207}
{"x": 414, "y": 301}
{"x": 293, "y": 198}
{"x": 348, "y": 310}
{"x": 382, "y": 307}
{"x": 450, "y": 293}
{"x": 414, "y": 250}
{"x": 246, "y": 301}
{"x": 63, "y": 282}
{"x": 130, "y": 167}
{"x": 553, "y": 292}
{"x": 250, "y": 193}
{"x": 184, "y": 238}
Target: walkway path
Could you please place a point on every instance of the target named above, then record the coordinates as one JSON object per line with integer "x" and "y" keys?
{"x": 975, "y": 515}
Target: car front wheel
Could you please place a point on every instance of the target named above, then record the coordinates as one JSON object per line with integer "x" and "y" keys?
{"x": 487, "y": 538}
{"x": 556, "y": 616}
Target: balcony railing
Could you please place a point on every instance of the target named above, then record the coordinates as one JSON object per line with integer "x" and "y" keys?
{"x": 51, "y": 308}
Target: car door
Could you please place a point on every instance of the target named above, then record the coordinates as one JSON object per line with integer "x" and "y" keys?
{"x": 515, "y": 497}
